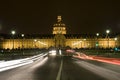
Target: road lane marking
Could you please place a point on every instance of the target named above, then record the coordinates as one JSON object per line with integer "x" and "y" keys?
{"x": 60, "y": 70}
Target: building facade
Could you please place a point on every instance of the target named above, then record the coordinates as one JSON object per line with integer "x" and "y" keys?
{"x": 59, "y": 38}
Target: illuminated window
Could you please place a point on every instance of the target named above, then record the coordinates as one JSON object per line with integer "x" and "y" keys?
{"x": 63, "y": 28}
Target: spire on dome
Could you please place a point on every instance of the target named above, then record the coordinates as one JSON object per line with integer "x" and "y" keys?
{"x": 59, "y": 18}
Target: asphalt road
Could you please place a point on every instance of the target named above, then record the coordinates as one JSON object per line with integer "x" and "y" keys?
{"x": 72, "y": 71}
{"x": 43, "y": 69}
{"x": 49, "y": 68}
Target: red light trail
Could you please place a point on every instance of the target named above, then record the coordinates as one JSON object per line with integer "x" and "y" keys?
{"x": 97, "y": 58}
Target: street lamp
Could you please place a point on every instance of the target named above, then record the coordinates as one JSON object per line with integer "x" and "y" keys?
{"x": 22, "y": 42}
{"x": 22, "y": 35}
{"x": 35, "y": 42}
{"x": 115, "y": 42}
{"x": 107, "y": 31}
{"x": 84, "y": 43}
{"x": 22, "y": 39}
{"x": 97, "y": 34}
{"x": 115, "y": 39}
{"x": 13, "y": 33}
{"x": 81, "y": 43}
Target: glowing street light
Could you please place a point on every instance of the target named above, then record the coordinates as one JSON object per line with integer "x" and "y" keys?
{"x": 22, "y": 35}
{"x": 35, "y": 42}
{"x": 84, "y": 42}
{"x": 107, "y": 31}
{"x": 13, "y": 33}
{"x": 115, "y": 41}
{"x": 22, "y": 40}
{"x": 97, "y": 34}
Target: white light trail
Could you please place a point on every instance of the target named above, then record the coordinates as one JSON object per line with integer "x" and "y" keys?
{"x": 20, "y": 62}
{"x": 40, "y": 63}
{"x": 13, "y": 64}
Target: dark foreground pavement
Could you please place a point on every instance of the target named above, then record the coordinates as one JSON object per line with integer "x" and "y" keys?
{"x": 44, "y": 69}
{"x": 72, "y": 71}
{"x": 49, "y": 68}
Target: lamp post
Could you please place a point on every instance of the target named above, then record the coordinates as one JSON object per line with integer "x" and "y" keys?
{"x": 22, "y": 35}
{"x": 115, "y": 41}
{"x": 22, "y": 39}
{"x": 81, "y": 43}
{"x": 35, "y": 42}
{"x": 115, "y": 49}
{"x": 107, "y": 33}
{"x": 22, "y": 43}
{"x": 84, "y": 43}
{"x": 13, "y": 33}
{"x": 97, "y": 34}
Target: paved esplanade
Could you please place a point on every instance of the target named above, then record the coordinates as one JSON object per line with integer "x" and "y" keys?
{"x": 63, "y": 68}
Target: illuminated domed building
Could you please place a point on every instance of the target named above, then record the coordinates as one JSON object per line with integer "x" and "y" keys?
{"x": 59, "y": 27}
{"x": 59, "y": 38}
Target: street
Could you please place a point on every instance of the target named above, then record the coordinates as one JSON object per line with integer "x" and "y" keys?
{"x": 50, "y": 68}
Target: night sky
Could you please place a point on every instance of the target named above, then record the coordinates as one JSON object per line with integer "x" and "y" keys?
{"x": 80, "y": 16}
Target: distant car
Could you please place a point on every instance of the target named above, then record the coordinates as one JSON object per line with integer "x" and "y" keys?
{"x": 52, "y": 53}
